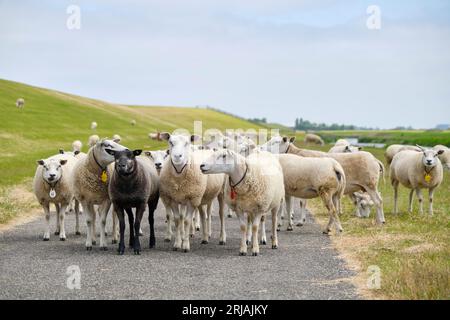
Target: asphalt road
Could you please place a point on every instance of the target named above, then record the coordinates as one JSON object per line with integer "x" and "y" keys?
{"x": 304, "y": 267}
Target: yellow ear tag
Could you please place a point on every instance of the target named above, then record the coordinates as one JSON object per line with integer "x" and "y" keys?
{"x": 428, "y": 178}
{"x": 104, "y": 176}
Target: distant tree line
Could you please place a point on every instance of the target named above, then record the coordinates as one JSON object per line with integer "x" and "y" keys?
{"x": 306, "y": 125}
{"x": 258, "y": 120}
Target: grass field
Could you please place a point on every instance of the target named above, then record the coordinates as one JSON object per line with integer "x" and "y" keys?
{"x": 412, "y": 251}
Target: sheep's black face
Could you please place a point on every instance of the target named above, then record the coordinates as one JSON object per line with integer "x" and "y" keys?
{"x": 125, "y": 161}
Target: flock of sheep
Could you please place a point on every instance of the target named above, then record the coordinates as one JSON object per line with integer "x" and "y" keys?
{"x": 250, "y": 180}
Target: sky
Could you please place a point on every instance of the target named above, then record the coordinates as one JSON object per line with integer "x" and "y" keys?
{"x": 279, "y": 59}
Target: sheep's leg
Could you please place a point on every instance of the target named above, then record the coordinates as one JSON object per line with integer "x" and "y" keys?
{"x": 288, "y": 211}
{"x": 185, "y": 245}
{"x": 395, "y": 184}
{"x": 152, "y": 205}
{"x": 378, "y": 201}
{"x": 302, "y": 203}
{"x": 209, "y": 218}
{"x": 431, "y": 194}
{"x": 420, "y": 197}
{"x": 115, "y": 232}
{"x": 411, "y": 198}
{"x": 179, "y": 224}
{"x": 103, "y": 209}
{"x": 169, "y": 218}
{"x": 355, "y": 203}
{"x": 230, "y": 213}
{"x": 263, "y": 240}
{"x": 57, "y": 220}
{"x": 77, "y": 218}
{"x": 89, "y": 211}
{"x": 255, "y": 226}
{"x": 197, "y": 220}
{"x": 334, "y": 218}
{"x": 137, "y": 226}
{"x": 243, "y": 226}
{"x": 223, "y": 234}
{"x": 93, "y": 225}
{"x": 62, "y": 229}
{"x": 46, "y": 207}
{"x": 204, "y": 224}
{"x": 274, "y": 228}
{"x": 121, "y": 217}
{"x": 130, "y": 215}
{"x": 191, "y": 229}
{"x": 249, "y": 229}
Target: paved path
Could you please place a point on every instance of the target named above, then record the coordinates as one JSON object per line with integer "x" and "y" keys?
{"x": 304, "y": 267}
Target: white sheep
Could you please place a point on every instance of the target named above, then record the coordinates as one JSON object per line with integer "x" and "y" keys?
{"x": 76, "y": 146}
{"x": 341, "y": 142}
{"x": 363, "y": 204}
{"x": 362, "y": 169}
{"x": 254, "y": 188}
{"x": 53, "y": 184}
{"x": 20, "y": 103}
{"x": 417, "y": 171}
{"x": 93, "y": 125}
{"x": 116, "y": 138}
{"x": 308, "y": 178}
{"x": 392, "y": 150}
{"x": 311, "y": 138}
{"x": 444, "y": 157}
{"x": 184, "y": 188}
{"x": 90, "y": 183}
{"x": 133, "y": 122}
{"x": 93, "y": 139}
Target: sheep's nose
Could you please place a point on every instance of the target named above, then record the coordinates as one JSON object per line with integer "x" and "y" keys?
{"x": 158, "y": 164}
{"x": 429, "y": 161}
{"x": 202, "y": 166}
{"x": 52, "y": 176}
{"x": 178, "y": 156}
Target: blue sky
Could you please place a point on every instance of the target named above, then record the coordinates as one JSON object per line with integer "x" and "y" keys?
{"x": 256, "y": 58}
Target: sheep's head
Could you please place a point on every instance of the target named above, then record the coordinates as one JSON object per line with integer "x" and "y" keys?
{"x": 351, "y": 149}
{"x": 51, "y": 169}
{"x": 430, "y": 156}
{"x": 125, "y": 160}
{"x": 444, "y": 157}
{"x": 246, "y": 147}
{"x": 158, "y": 157}
{"x": 179, "y": 147}
{"x": 221, "y": 161}
{"x": 104, "y": 151}
{"x": 364, "y": 204}
{"x": 277, "y": 144}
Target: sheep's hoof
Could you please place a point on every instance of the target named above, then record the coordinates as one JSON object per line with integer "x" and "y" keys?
{"x": 290, "y": 228}
{"x": 174, "y": 249}
{"x": 222, "y": 243}
{"x": 106, "y": 234}
{"x": 56, "y": 233}
{"x": 204, "y": 241}
{"x": 137, "y": 252}
{"x": 197, "y": 228}
{"x": 62, "y": 239}
{"x": 263, "y": 242}
{"x": 191, "y": 235}
{"x": 274, "y": 246}
{"x": 247, "y": 242}
{"x": 121, "y": 252}
{"x": 78, "y": 233}
{"x": 114, "y": 241}
{"x": 104, "y": 248}
{"x": 254, "y": 254}
{"x": 299, "y": 224}
{"x": 278, "y": 229}
{"x": 46, "y": 239}
{"x": 242, "y": 253}
{"x": 327, "y": 232}
{"x": 151, "y": 245}
{"x": 282, "y": 218}
{"x": 166, "y": 240}
{"x": 186, "y": 250}
{"x": 94, "y": 242}
{"x": 88, "y": 248}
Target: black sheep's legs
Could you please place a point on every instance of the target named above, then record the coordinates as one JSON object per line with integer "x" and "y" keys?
{"x": 121, "y": 217}
{"x": 131, "y": 224}
{"x": 140, "y": 209}
{"x": 151, "y": 219}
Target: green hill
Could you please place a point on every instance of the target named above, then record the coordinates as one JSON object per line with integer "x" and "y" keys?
{"x": 52, "y": 120}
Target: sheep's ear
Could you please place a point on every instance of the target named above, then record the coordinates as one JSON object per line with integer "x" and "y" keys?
{"x": 164, "y": 136}
{"x": 76, "y": 152}
{"x": 111, "y": 152}
{"x": 62, "y": 162}
{"x": 167, "y": 151}
{"x": 440, "y": 152}
{"x": 285, "y": 139}
{"x": 116, "y": 140}
{"x": 201, "y": 147}
{"x": 137, "y": 152}
{"x": 292, "y": 139}
{"x": 40, "y": 162}
{"x": 347, "y": 148}
{"x": 194, "y": 137}
{"x": 61, "y": 151}
{"x": 360, "y": 148}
